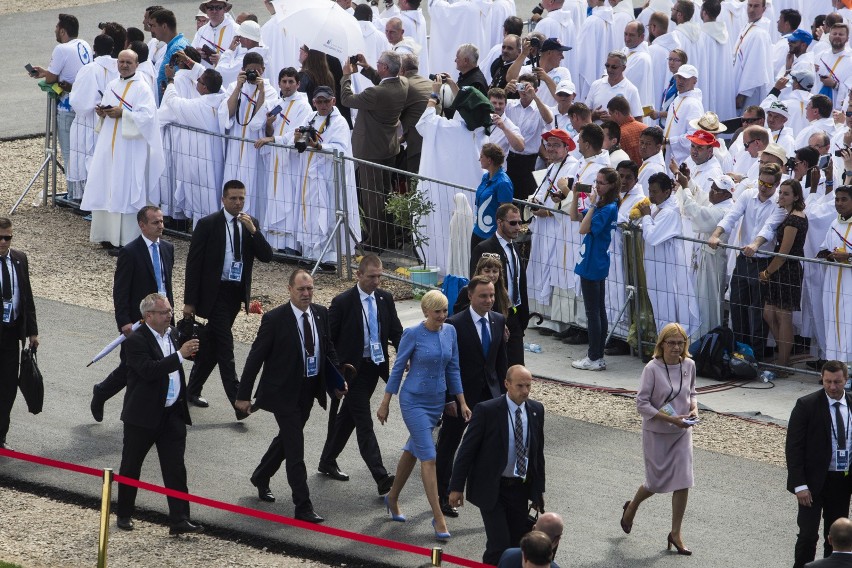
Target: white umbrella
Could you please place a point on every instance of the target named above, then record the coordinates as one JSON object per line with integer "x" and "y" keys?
{"x": 113, "y": 344}
{"x": 284, "y": 8}
{"x": 327, "y": 28}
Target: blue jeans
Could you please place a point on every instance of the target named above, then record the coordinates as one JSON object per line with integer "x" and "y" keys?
{"x": 593, "y": 298}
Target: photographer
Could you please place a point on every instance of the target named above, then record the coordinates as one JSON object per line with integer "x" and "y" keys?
{"x": 531, "y": 119}
{"x": 804, "y": 169}
{"x": 246, "y": 40}
{"x": 545, "y": 62}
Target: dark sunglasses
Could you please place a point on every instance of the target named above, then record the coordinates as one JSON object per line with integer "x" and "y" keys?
{"x": 848, "y": 113}
{"x": 750, "y": 120}
{"x": 513, "y": 223}
{"x": 215, "y": 8}
{"x": 5, "y": 237}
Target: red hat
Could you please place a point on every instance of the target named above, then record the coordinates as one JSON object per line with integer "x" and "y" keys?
{"x": 703, "y": 138}
{"x": 561, "y": 135}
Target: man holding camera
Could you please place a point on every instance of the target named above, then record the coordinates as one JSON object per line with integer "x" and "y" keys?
{"x": 214, "y": 37}
{"x": 545, "y": 57}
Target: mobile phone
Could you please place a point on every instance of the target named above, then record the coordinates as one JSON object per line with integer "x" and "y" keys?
{"x": 823, "y": 161}
{"x": 104, "y": 107}
{"x": 353, "y": 60}
{"x": 839, "y": 153}
{"x": 31, "y": 70}
{"x": 275, "y": 111}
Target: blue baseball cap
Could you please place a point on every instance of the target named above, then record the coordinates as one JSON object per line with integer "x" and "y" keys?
{"x": 801, "y": 35}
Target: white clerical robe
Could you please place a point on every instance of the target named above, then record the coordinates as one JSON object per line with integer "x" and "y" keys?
{"x": 654, "y": 165}
{"x": 701, "y": 176}
{"x": 500, "y": 10}
{"x": 821, "y": 213}
{"x": 197, "y": 160}
{"x": 450, "y": 153}
{"x": 659, "y": 51}
{"x": 464, "y": 21}
{"x": 375, "y": 43}
{"x": 716, "y": 76}
{"x": 835, "y": 65}
{"x": 231, "y": 62}
{"x": 685, "y": 107}
{"x": 89, "y": 85}
{"x": 216, "y": 39}
{"x": 826, "y": 125}
{"x": 283, "y": 183}
{"x": 598, "y": 38}
{"x": 414, "y": 25}
{"x": 283, "y": 48}
{"x": 241, "y": 159}
{"x": 752, "y": 60}
{"x": 688, "y": 34}
{"x": 561, "y": 25}
{"x": 668, "y": 270}
{"x": 127, "y": 163}
{"x": 640, "y": 72}
{"x": 836, "y": 294}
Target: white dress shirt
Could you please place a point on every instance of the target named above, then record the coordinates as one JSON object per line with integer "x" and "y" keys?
{"x": 168, "y": 348}
{"x": 229, "y": 245}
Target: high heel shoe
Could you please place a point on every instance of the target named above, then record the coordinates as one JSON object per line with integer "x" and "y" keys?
{"x": 625, "y": 526}
{"x": 398, "y": 518}
{"x": 680, "y": 550}
{"x": 440, "y": 535}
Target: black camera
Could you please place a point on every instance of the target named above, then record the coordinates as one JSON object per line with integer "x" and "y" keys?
{"x": 538, "y": 10}
{"x": 434, "y": 77}
{"x": 535, "y": 43}
{"x": 251, "y": 75}
{"x": 791, "y": 163}
{"x": 353, "y": 60}
{"x": 308, "y": 133}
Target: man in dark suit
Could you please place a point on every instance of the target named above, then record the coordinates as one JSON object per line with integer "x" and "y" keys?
{"x": 817, "y": 449}
{"x": 514, "y": 276}
{"x": 502, "y": 465}
{"x": 17, "y": 324}
{"x": 144, "y": 266}
{"x": 375, "y": 137}
{"x": 550, "y": 524}
{"x": 218, "y": 281}
{"x": 840, "y": 537}
{"x": 482, "y": 361}
{"x": 419, "y": 90}
{"x": 294, "y": 347}
{"x": 155, "y": 411}
{"x": 362, "y": 322}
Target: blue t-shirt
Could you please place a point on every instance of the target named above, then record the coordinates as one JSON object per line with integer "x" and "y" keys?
{"x": 178, "y": 42}
{"x": 491, "y": 193}
{"x": 595, "y": 249}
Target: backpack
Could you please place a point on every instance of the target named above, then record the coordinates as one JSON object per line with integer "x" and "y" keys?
{"x": 713, "y": 353}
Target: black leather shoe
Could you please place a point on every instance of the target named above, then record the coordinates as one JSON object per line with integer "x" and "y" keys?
{"x": 198, "y": 401}
{"x": 114, "y": 251}
{"x": 448, "y": 510}
{"x": 97, "y": 405}
{"x": 185, "y": 527}
{"x": 263, "y": 491}
{"x": 125, "y": 523}
{"x": 241, "y": 415}
{"x": 5, "y": 446}
{"x": 333, "y": 472}
{"x": 384, "y": 484}
{"x": 545, "y": 331}
{"x": 309, "y": 517}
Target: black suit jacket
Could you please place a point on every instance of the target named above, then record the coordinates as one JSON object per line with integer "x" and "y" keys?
{"x": 477, "y": 371}
{"x": 808, "y": 446}
{"x": 346, "y": 317}
{"x": 26, "y": 307}
{"x": 134, "y": 278}
{"x": 207, "y": 256}
{"x": 278, "y": 349}
{"x": 148, "y": 380}
{"x": 836, "y": 560}
{"x": 483, "y": 453}
{"x": 491, "y": 244}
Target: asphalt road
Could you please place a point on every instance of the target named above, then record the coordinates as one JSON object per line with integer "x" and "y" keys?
{"x": 739, "y": 512}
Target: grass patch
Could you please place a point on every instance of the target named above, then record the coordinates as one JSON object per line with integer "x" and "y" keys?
{"x": 9, "y": 565}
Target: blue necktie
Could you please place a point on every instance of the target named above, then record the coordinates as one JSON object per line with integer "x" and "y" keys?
{"x": 486, "y": 335}
{"x": 372, "y": 320}
{"x": 158, "y": 269}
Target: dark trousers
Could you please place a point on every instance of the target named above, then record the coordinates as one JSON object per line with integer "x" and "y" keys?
{"x": 515, "y": 345}
{"x": 519, "y": 168}
{"x": 593, "y": 300}
{"x": 10, "y": 352}
{"x": 219, "y": 347}
{"x": 449, "y": 438}
{"x": 289, "y": 445}
{"x": 831, "y": 504}
{"x": 170, "y": 438}
{"x": 355, "y": 414}
{"x": 747, "y": 303}
{"x": 506, "y": 523}
{"x": 374, "y": 184}
{"x": 115, "y": 381}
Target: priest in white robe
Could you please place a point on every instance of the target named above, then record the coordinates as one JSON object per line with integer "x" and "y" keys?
{"x": 214, "y": 37}
{"x": 414, "y": 26}
{"x": 685, "y": 108}
{"x": 660, "y": 48}
{"x": 128, "y": 158}
{"x": 282, "y": 43}
{"x": 686, "y": 30}
{"x": 595, "y": 41}
{"x": 651, "y": 144}
{"x": 560, "y": 23}
{"x": 246, "y": 40}
{"x": 452, "y": 25}
{"x": 717, "y": 85}
{"x": 640, "y": 69}
{"x": 837, "y": 285}
{"x": 752, "y": 59}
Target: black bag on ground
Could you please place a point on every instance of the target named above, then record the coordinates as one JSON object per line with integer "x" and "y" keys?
{"x": 710, "y": 360}
{"x": 30, "y": 381}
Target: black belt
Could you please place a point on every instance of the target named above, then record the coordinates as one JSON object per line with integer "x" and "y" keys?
{"x": 511, "y": 481}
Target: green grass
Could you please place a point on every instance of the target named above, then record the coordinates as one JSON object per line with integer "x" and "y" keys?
{"x": 8, "y": 565}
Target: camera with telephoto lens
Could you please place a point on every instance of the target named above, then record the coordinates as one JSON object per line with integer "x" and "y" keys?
{"x": 251, "y": 75}
{"x": 307, "y": 132}
{"x": 790, "y": 164}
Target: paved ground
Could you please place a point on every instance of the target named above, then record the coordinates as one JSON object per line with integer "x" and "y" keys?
{"x": 591, "y": 471}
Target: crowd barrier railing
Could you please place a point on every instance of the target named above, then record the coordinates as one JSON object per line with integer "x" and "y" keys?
{"x": 50, "y": 164}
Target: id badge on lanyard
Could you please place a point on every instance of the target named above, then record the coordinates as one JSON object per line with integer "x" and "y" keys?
{"x": 7, "y": 311}
{"x": 842, "y": 457}
{"x": 235, "y": 273}
{"x": 311, "y": 366}
{"x": 376, "y": 353}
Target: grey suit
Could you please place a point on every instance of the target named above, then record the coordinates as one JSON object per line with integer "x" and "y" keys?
{"x": 419, "y": 89}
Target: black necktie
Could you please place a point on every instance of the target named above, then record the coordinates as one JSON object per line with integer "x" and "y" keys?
{"x": 841, "y": 429}
{"x": 309, "y": 334}
{"x": 7, "y": 279}
{"x": 516, "y": 292}
{"x": 238, "y": 251}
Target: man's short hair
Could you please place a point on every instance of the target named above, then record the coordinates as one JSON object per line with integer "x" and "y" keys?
{"x": 828, "y": 367}
{"x": 618, "y": 104}
{"x": 580, "y": 110}
{"x": 135, "y": 34}
{"x": 536, "y": 548}
{"x": 118, "y": 34}
{"x": 712, "y": 8}
{"x": 5, "y": 223}
{"x": 70, "y": 24}
{"x": 295, "y": 274}
{"x": 392, "y": 60}
{"x": 840, "y": 24}
{"x": 252, "y": 57}
{"x": 662, "y": 180}
{"x": 618, "y": 55}
{"x": 369, "y": 260}
{"x": 822, "y": 138}
{"x": 408, "y": 62}
{"x": 232, "y": 184}
{"x": 363, "y": 13}
{"x": 414, "y": 4}
{"x": 661, "y": 19}
{"x": 102, "y": 45}
{"x": 773, "y": 170}
{"x": 142, "y": 214}
{"x": 513, "y": 25}
{"x": 212, "y": 79}
{"x": 593, "y": 135}
{"x": 192, "y": 53}
{"x": 476, "y": 281}
{"x": 469, "y": 52}
{"x": 164, "y": 17}
{"x": 792, "y": 17}
{"x": 823, "y": 105}
{"x": 687, "y": 8}
{"x": 840, "y": 534}
{"x": 630, "y": 166}
{"x": 150, "y": 301}
{"x": 759, "y": 111}
{"x": 756, "y": 132}
{"x": 655, "y": 133}
{"x": 505, "y": 209}
{"x": 530, "y": 78}
{"x": 289, "y": 72}
{"x": 612, "y": 129}
{"x": 497, "y": 93}
{"x": 151, "y": 9}
{"x": 141, "y": 51}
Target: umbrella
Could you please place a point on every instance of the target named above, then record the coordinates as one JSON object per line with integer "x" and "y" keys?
{"x": 284, "y": 8}
{"x": 327, "y": 28}
{"x": 113, "y": 344}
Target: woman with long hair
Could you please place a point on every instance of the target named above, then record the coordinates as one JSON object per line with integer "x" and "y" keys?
{"x": 314, "y": 72}
{"x": 488, "y": 265}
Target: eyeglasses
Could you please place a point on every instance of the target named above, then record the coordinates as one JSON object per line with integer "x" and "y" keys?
{"x": 766, "y": 184}
{"x": 616, "y": 66}
{"x": 674, "y": 60}
{"x": 161, "y": 312}
{"x": 215, "y": 8}
{"x": 671, "y": 343}
{"x": 749, "y": 143}
{"x": 513, "y": 223}
{"x": 848, "y": 113}
{"x": 554, "y": 145}
{"x": 750, "y": 120}
{"x": 5, "y": 237}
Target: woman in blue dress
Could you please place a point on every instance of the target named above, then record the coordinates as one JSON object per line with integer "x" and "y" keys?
{"x": 430, "y": 352}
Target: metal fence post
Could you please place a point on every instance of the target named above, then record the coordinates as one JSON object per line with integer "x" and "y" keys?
{"x": 344, "y": 197}
{"x": 103, "y": 536}
{"x": 634, "y": 248}
{"x": 55, "y": 162}
{"x": 437, "y": 555}
{"x": 339, "y": 209}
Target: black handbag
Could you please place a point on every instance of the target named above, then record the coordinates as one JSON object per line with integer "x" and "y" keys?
{"x": 30, "y": 381}
{"x": 532, "y": 517}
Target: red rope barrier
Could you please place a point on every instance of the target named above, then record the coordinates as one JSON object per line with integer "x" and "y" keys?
{"x": 240, "y": 510}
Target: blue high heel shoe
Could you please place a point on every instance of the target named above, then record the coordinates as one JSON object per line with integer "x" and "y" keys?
{"x": 397, "y": 518}
{"x": 440, "y": 535}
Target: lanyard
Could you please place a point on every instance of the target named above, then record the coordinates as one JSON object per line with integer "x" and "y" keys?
{"x": 834, "y": 429}
{"x": 13, "y": 275}
{"x": 367, "y": 320}
{"x": 671, "y": 385}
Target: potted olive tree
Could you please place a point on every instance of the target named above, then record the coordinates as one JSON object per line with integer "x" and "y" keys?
{"x": 408, "y": 210}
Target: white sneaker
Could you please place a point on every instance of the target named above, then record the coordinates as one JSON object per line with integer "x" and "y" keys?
{"x": 586, "y": 364}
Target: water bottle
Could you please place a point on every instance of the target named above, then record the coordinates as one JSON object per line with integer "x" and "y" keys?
{"x": 535, "y": 348}
{"x": 767, "y": 376}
